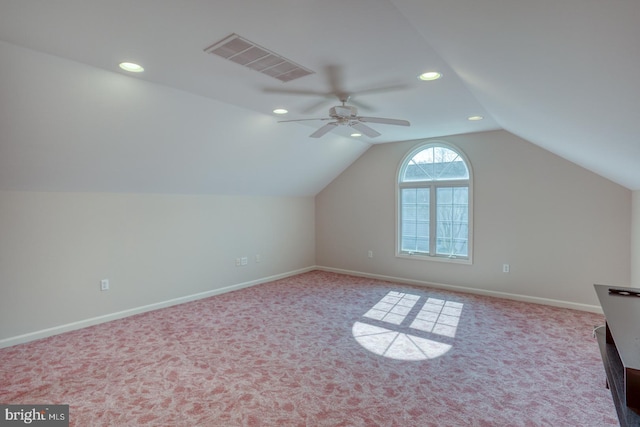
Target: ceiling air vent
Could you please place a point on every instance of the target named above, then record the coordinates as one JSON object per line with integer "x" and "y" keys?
{"x": 249, "y": 54}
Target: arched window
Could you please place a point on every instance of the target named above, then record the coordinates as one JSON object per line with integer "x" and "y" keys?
{"x": 434, "y": 203}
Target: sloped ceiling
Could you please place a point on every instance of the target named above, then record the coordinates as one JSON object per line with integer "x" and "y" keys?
{"x": 558, "y": 74}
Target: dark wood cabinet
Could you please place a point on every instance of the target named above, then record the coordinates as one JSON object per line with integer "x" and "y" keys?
{"x": 619, "y": 343}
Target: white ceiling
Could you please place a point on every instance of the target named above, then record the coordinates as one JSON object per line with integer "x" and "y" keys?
{"x": 560, "y": 74}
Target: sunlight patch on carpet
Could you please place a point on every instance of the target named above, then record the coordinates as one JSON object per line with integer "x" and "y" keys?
{"x": 436, "y": 316}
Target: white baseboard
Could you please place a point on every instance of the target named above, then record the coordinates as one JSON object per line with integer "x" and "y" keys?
{"x": 505, "y": 295}
{"x": 31, "y": 336}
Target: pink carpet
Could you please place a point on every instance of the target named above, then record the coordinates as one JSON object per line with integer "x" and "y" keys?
{"x": 323, "y": 349}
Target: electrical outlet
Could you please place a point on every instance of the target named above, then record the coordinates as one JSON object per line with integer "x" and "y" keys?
{"x": 104, "y": 284}
{"x": 506, "y": 268}
{"x": 244, "y": 260}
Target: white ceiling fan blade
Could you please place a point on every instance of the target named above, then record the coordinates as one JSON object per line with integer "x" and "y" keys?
{"x": 303, "y": 92}
{"x": 324, "y": 129}
{"x": 335, "y": 77}
{"x": 384, "y": 121}
{"x": 303, "y": 120}
{"x": 365, "y": 129}
{"x": 384, "y": 89}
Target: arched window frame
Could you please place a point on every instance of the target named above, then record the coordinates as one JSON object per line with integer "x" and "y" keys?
{"x": 433, "y": 185}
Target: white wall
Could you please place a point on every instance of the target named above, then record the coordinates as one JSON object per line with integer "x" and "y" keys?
{"x": 560, "y": 227}
{"x": 56, "y": 247}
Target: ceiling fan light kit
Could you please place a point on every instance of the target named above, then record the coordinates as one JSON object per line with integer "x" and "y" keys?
{"x": 342, "y": 111}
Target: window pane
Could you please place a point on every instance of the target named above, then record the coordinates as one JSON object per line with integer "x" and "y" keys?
{"x": 414, "y": 220}
{"x": 435, "y": 163}
{"x": 452, "y": 221}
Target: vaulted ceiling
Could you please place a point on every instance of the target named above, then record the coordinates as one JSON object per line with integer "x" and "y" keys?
{"x": 560, "y": 74}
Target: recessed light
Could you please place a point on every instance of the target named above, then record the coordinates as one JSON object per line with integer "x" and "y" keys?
{"x": 280, "y": 111}
{"x": 131, "y": 67}
{"x": 355, "y": 135}
{"x": 430, "y": 75}
{"x": 474, "y": 118}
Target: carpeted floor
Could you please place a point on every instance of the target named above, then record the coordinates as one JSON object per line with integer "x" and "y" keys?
{"x": 323, "y": 349}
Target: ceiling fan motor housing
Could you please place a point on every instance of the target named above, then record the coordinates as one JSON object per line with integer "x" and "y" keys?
{"x": 343, "y": 111}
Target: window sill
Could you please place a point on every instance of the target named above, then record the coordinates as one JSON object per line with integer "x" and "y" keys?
{"x": 422, "y": 257}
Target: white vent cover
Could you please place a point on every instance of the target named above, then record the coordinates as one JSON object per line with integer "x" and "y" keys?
{"x": 249, "y": 54}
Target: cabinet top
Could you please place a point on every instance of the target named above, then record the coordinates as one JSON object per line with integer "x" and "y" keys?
{"x": 623, "y": 319}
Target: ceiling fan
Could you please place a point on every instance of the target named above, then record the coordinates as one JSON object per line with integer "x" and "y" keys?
{"x": 347, "y": 115}
{"x": 335, "y": 80}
